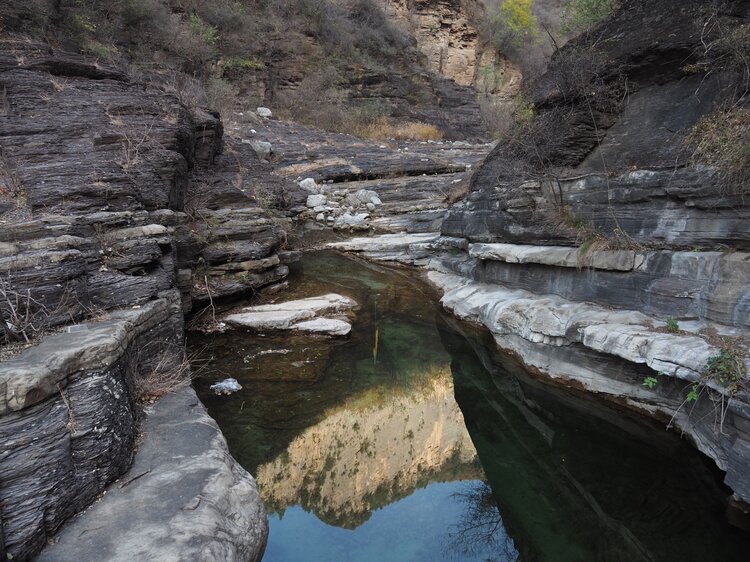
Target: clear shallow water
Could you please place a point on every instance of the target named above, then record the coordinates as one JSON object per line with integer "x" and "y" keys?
{"x": 413, "y": 441}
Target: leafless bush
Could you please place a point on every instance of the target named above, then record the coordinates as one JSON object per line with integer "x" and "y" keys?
{"x": 498, "y": 115}
{"x": 722, "y": 138}
{"x": 160, "y": 368}
{"x": 221, "y": 96}
{"x": 10, "y": 183}
{"x": 188, "y": 90}
{"x": 23, "y": 317}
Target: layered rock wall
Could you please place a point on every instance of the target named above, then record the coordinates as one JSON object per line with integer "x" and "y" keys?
{"x": 68, "y": 418}
{"x": 120, "y": 210}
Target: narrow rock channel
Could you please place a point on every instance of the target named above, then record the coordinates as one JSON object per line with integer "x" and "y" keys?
{"x": 360, "y": 280}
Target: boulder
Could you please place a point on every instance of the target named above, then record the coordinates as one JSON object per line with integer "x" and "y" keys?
{"x": 358, "y": 221}
{"x": 262, "y": 148}
{"x": 327, "y": 326}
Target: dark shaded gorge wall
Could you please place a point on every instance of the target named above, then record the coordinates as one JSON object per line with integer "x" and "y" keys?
{"x": 97, "y": 173}
{"x": 618, "y": 168}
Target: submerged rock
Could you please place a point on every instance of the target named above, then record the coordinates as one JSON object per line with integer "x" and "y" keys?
{"x": 311, "y": 315}
{"x": 227, "y": 386}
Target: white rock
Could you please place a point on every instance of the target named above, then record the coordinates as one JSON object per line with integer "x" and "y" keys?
{"x": 355, "y": 222}
{"x": 227, "y": 386}
{"x": 315, "y": 200}
{"x": 309, "y": 185}
{"x": 320, "y": 217}
{"x": 371, "y": 206}
{"x": 560, "y": 256}
{"x": 303, "y": 315}
{"x": 367, "y": 196}
{"x": 264, "y": 112}
{"x": 331, "y": 302}
{"x": 262, "y": 148}
{"x": 274, "y": 319}
{"x": 327, "y": 326}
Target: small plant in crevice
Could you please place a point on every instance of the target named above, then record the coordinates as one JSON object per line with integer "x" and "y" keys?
{"x": 672, "y": 326}
{"x": 726, "y": 368}
{"x": 650, "y": 382}
{"x": 693, "y": 393}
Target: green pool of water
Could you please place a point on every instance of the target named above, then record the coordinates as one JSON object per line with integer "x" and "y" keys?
{"x": 411, "y": 440}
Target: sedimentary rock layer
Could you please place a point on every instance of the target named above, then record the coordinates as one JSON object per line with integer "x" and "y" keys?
{"x": 194, "y": 502}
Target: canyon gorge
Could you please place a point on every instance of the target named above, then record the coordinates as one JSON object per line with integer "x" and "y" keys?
{"x": 594, "y": 255}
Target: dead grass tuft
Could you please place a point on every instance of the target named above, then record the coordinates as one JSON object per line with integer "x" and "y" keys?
{"x": 161, "y": 368}
{"x": 384, "y": 129}
{"x": 722, "y": 139}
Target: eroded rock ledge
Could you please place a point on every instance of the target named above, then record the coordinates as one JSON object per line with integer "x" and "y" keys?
{"x": 546, "y": 318}
{"x": 69, "y": 418}
{"x": 194, "y": 502}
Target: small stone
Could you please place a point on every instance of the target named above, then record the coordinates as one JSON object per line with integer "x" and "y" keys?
{"x": 227, "y": 386}
{"x": 264, "y": 112}
{"x": 262, "y": 148}
{"x": 309, "y": 185}
{"x": 315, "y": 200}
{"x": 370, "y": 206}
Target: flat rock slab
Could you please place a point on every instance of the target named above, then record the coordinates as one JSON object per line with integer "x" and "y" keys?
{"x": 329, "y": 326}
{"x": 304, "y": 315}
{"x": 560, "y": 256}
{"x": 185, "y": 498}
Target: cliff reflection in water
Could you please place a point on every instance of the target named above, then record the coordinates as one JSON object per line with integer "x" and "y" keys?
{"x": 371, "y": 451}
{"x": 367, "y": 456}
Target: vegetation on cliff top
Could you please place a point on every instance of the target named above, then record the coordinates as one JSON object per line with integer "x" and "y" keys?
{"x": 227, "y": 53}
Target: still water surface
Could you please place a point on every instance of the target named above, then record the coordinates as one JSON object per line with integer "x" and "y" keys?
{"x": 412, "y": 440}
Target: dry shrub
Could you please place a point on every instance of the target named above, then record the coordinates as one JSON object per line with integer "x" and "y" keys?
{"x": 500, "y": 116}
{"x": 457, "y": 191}
{"x": 22, "y": 316}
{"x": 160, "y": 368}
{"x": 382, "y": 129}
{"x": 221, "y": 96}
{"x": 722, "y": 139}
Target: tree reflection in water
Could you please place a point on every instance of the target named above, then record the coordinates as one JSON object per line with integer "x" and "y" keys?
{"x": 481, "y": 528}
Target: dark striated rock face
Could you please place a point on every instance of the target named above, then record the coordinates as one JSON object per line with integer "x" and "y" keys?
{"x": 68, "y": 419}
{"x": 182, "y": 462}
{"x": 120, "y": 204}
{"x": 615, "y": 147}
